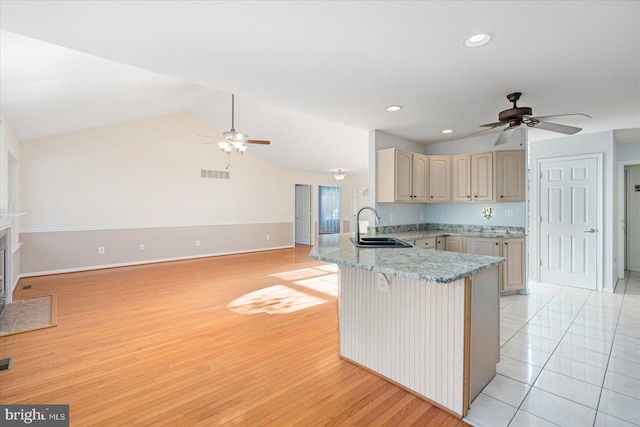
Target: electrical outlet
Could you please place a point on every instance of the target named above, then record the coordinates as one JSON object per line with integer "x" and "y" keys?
{"x": 508, "y": 212}
{"x": 392, "y": 218}
{"x": 197, "y": 242}
{"x": 268, "y": 237}
{"x": 421, "y": 216}
{"x": 142, "y": 247}
{"x": 100, "y": 249}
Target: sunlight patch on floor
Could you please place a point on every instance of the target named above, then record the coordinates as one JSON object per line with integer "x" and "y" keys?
{"x": 278, "y": 299}
{"x": 325, "y": 284}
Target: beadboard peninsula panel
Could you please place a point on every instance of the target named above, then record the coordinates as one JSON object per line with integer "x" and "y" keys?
{"x": 412, "y": 333}
{"x": 45, "y": 252}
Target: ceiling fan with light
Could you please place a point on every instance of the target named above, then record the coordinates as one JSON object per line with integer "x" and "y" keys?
{"x": 514, "y": 117}
{"x": 233, "y": 139}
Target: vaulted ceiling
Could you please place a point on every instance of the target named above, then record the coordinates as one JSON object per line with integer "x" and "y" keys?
{"x": 315, "y": 77}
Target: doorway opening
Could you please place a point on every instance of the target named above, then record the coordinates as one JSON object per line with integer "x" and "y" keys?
{"x": 328, "y": 209}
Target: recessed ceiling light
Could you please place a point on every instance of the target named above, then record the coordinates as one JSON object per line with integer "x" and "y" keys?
{"x": 447, "y": 131}
{"x": 478, "y": 40}
{"x": 394, "y": 108}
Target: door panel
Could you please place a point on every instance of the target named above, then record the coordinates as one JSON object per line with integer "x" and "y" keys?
{"x": 303, "y": 214}
{"x": 568, "y": 207}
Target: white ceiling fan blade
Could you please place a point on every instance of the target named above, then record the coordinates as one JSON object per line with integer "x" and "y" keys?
{"x": 561, "y": 115}
{"x": 209, "y": 136}
{"x": 505, "y": 136}
{"x": 555, "y": 127}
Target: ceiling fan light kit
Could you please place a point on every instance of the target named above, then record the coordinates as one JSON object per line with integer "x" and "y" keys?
{"x": 339, "y": 175}
{"x": 233, "y": 140}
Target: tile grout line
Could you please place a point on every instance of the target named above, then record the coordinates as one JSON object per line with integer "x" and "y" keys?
{"x": 551, "y": 354}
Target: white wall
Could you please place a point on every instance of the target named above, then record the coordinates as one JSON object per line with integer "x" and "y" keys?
{"x": 599, "y": 142}
{"x": 145, "y": 173}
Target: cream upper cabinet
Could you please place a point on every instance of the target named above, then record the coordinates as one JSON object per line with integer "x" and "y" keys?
{"x": 510, "y": 176}
{"x": 513, "y": 267}
{"x": 420, "y": 178}
{"x": 472, "y": 177}
{"x": 482, "y": 177}
{"x": 439, "y": 178}
{"x": 461, "y": 178}
{"x": 401, "y": 176}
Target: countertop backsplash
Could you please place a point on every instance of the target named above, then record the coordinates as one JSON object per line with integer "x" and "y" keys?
{"x": 447, "y": 228}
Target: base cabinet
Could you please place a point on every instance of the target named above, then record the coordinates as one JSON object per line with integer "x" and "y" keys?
{"x": 512, "y": 250}
{"x": 455, "y": 244}
{"x": 513, "y": 267}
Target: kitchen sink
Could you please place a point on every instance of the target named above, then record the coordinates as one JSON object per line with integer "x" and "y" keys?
{"x": 380, "y": 242}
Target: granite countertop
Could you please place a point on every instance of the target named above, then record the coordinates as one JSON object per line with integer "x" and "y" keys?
{"x": 413, "y": 263}
{"x": 409, "y": 236}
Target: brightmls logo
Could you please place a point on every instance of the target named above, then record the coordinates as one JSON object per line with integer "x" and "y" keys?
{"x": 35, "y": 415}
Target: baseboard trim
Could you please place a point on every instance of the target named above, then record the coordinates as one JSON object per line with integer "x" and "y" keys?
{"x": 154, "y": 261}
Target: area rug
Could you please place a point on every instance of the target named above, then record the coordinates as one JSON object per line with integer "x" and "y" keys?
{"x": 28, "y": 315}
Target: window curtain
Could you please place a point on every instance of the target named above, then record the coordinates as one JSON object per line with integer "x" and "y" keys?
{"x": 329, "y": 205}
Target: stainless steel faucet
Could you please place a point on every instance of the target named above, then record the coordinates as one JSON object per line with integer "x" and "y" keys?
{"x": 358, "y": 220}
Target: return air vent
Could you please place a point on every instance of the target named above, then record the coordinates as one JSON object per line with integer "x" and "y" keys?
{"x": 204, "y": 173}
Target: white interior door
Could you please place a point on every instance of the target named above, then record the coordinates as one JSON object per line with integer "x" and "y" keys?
{"x": 303, "y": 214}
{"x": 568, "y": 222}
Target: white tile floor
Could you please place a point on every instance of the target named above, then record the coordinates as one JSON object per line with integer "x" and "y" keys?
{"x": 568, "y": 357}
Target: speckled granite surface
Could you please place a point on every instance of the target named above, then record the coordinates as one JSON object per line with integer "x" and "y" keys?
{"x": 419, "y": 231}
{"x": 414, "y": 263}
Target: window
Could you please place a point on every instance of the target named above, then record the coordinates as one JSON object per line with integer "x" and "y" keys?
{"x": 329, "y": 207}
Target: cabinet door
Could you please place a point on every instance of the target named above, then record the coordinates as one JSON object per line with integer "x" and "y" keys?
{"x": 403, "y": 176}
{"x": 420, "y": 178}
{"x": 439, "y": 178}
{"x": 510, "y": 176}
{"x": 454, "y": 244}
{"x": 461, "y": 178}
{"x": 482, "y": 177}
{"x": 513, "y": 267}
{"x": 483, "y": 246}
{"x": 441, "y": 243}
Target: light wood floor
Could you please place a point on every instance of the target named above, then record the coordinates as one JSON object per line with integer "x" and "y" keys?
{"x": 244, "y": 340}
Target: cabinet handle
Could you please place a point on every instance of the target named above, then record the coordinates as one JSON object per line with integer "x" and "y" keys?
{"x": 497, "y": 243}
{"x": 432, "y": 197}
{"x": 501, "y": 197}
{"x": 476, "y": 196}
{"x": 468, "y": 197}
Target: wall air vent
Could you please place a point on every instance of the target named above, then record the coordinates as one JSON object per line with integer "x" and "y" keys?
{"x": 204, "y": 173}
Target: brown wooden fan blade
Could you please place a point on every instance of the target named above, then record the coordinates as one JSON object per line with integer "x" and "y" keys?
{"x": 555, "y": 127}
{"x": 258, "y": 141}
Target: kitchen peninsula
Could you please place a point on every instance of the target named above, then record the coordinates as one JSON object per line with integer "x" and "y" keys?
{"x": 426, "y": 320}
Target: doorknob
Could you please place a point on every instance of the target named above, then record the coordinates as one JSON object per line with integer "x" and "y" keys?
{"x": 591, "y": 230}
